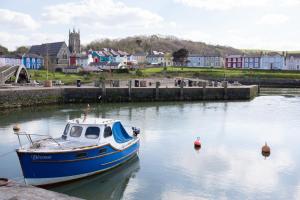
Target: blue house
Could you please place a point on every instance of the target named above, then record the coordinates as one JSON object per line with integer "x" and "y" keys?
{"x": 32, "y": 61}
{"x": 101, "y": 56}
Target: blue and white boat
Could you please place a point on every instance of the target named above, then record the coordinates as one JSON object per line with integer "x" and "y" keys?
{"x": 87, "y": 146}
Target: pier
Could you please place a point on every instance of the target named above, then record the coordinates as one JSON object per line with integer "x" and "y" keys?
{"x": 29, "y": 96}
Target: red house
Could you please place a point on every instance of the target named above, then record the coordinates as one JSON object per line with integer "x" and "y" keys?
{"x": 234, "y": 61}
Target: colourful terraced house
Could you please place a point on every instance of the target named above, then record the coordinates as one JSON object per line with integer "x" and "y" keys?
{"x": 32, "y": 61}
{"x": 99, "y": 56}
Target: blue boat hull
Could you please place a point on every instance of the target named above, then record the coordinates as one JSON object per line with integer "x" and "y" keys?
{"x": 50, "y": 168}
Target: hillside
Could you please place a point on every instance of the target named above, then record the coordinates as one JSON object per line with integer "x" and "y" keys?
{"x": 160, "y": 43}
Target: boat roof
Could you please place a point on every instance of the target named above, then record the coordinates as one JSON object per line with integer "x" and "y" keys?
{"x": 92, "y": 121}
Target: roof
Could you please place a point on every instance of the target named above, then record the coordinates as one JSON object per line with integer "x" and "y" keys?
{"x": 203, "y": 55}
{"x": 91, "y": 121}
{"x": 234, "y": 56}
{"x": 52, "y": 48}
{"x": 11, "y": 56}
{"x": 71, "y": 67}
{"x": 156, "y": 55}
{"x": 272, "y": 54}
{"x": 31, "y": 55}
{"x": 295, "y": 55}
{"x": 140, "y": 54}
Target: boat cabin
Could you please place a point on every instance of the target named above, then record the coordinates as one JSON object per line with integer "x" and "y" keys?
{"x": 89, "y": 130}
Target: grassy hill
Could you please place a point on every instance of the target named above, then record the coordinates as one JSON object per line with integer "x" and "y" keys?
{"x": 160, "y": 43}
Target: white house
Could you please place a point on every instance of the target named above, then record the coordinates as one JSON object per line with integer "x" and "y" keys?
{"x": 196, "y": 60}
{"x": 10, "y": 60}
{"x": 292, "y": 61}
{"x": 272, "y": 60}
{"x": 158, "y": 59}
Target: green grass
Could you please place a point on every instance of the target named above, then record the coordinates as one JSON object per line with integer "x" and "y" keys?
{"x": 159, "y": 72}
{"x": 221, "y": 72}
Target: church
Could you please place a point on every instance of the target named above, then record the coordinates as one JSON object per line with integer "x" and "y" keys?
{"x": 57, "y": 54}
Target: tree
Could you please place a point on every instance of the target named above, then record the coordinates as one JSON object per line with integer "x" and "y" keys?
{"x": 3, "y": 50}
{"x": 139, "y": 42}
{"x": 22, "y": 50}
{"x": 180, "y": 56}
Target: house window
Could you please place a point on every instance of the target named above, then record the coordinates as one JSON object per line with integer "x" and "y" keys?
{"x": 107, "y": 132}
{"x": 76, "y": 131}
{"x": 92, "y": 132}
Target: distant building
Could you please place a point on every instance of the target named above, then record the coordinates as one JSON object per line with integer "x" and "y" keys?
{"x": 12, "y": 60}
{"x": 56, "y": 55}
{"x": 32, "y": 61}
{"x": 71, "y": 69}
{"x": 293, "y": 61}
{"x": 272, "y": 60}
{"x": 234, "y": 61}
{"x": 156, "y": 59}
{"x": 74, "y": 41}
{"x": 252, "y": 61}
{"x": 139, "y": 57}
{"x": 198, "y": 60}
{"x": 107, "y": 65}
{"x": 81, "y": 60}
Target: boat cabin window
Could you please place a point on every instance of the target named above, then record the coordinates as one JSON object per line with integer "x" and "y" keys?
{"x": 76, "y": 131}
{"x": 67, "y": 129}
{"x": 92, "y": 132}
{"x": 107, "y": 132}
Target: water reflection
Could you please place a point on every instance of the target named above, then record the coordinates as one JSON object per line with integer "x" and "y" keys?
{"x": 109, "y": 185}
{"x": 228, "y": 166}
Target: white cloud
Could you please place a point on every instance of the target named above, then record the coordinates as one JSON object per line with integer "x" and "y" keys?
{"x": 14, "y": 40}
{"x": 273, "y": 19}
{"x": 97, "y": 14}
{"x": 222, "y": 4}
{"x": 17, "y": 20}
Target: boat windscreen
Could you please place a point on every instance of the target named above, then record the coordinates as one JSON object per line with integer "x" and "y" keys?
{"x": 119, "y": 133}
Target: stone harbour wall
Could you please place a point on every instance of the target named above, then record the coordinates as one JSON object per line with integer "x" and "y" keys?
{"x": 18, "y": 97}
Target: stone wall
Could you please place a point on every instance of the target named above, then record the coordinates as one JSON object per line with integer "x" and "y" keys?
{"x": 17, "y": 98}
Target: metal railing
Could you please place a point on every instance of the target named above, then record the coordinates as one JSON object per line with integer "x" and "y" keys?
{"x": 31, "y": 141}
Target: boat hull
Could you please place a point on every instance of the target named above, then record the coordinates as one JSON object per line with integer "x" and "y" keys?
{"x": 44, "y": 168}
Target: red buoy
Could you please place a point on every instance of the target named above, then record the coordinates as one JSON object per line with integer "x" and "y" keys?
{"x": 197, "y": 143}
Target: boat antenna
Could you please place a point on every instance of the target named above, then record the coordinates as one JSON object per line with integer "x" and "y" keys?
{"x": 86, "y": 111}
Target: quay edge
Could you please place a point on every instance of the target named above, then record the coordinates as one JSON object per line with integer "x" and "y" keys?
{"x": 15, "y": 190}
{"x": 22, "y": 97}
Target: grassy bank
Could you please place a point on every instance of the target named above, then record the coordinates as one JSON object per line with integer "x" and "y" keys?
{"x": 160, "y": 72}
{"x": 220, "y": 73}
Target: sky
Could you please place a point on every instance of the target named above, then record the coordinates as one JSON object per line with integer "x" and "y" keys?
{"x": 244, "y": 24}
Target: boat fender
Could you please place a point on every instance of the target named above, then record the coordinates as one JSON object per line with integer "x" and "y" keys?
{"x": 136, "y": 131}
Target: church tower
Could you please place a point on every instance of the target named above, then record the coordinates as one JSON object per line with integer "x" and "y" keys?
{"x": 74, "y": 41}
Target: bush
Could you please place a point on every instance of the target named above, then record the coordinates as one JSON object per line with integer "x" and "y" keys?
{"x": 119, "y": 71}
{"x": 139, "y": 72}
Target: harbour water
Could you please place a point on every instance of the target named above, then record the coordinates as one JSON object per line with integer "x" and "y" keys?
{"x": 228, "y": 166}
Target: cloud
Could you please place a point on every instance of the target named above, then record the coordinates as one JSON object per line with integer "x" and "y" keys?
{"x": 273, "y": 19}
{"x": 13, "y": 40}
{"x": 97, "y": 14}
{"x": 17, "y": 20}
{"x": 222, "y": 4}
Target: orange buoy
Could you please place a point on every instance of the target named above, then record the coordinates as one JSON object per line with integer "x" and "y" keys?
{"x": 265, "y": 150}
{"x": 197, "y": 143}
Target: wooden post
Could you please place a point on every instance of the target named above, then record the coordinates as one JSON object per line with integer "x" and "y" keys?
{"x": 204, "y": 91}
{"x": 225, "y": 85}
{"x": 129, "y": 89}
{"x": 103, "y": 90}
{"x": 181, "y": 89}
{"x": 157, "y": 90}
